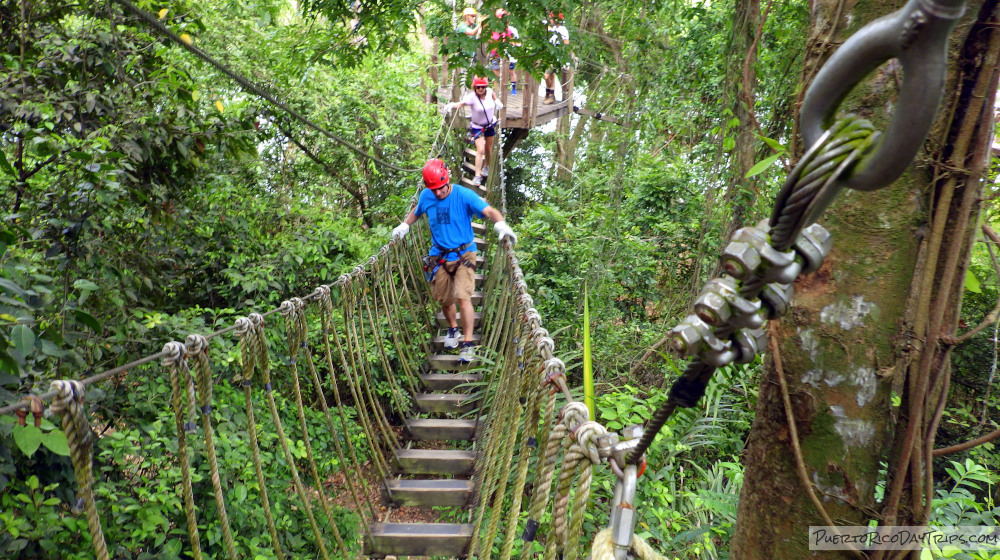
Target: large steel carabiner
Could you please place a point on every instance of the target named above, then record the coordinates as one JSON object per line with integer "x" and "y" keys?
{"x": 916, "y": 35}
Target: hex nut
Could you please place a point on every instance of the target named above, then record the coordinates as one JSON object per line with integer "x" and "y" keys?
{"x": 685, "y": 339}
{"x": 632, "y": 432}
{"x": 740, "y": 260}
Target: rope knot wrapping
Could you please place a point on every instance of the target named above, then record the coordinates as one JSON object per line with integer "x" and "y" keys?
{"x": 177, "y": 353}
{"x": 286, "y": 308}
{"x": 343, "y": 280}
{"x": 71, "y": 394}
{"x": 545, "y": 345}
{"x": 574, "y": 414}
{"x": 539, "y": 333}
{"x": 243, "y": 326}
{"x": 69, "y": 404}
{"x": 533, "y": 317}
{"x": 257, "y": 320}
{"x": 320, "y": 292}
{"x": 586, "y": 435}
{"x": 196, "y": 344}
{"x": 527, "y": 302}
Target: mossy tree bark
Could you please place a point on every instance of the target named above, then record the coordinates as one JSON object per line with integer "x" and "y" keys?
{"x": 877, "y": 319}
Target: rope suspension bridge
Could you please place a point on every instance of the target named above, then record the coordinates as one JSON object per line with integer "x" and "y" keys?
{"x": 433, "y": 431}
{"x": 481, "y": 442}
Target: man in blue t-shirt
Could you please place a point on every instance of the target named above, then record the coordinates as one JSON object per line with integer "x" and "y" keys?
{"x": 449, "y": 209}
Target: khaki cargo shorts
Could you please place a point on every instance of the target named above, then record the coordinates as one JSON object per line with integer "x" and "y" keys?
{"x": 445, "y": 288}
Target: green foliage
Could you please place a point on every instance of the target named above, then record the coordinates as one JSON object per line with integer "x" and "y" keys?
{"x": 143, "y": 513}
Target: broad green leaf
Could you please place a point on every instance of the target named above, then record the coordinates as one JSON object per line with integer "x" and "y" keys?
{"x": 82, "y": 156}
{"x": 55, "y": 441}
{"x": 5, "y": 165}
{"x": 774, "y": 144}
{"x": 28, "y": 438}
{"x": 11, "y": 287}
{"x": 8, "y": 364}
{"x": 85, "y": 285}
{"x": 972, "y": 283}
{"x": 761, "y": 166}
{"x": 88, "y": 319}
{"x": 23, "y": 339}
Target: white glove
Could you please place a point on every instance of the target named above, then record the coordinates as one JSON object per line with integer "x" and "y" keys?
{"x": 503, "y": 230}
{"x": 401, "y": 230}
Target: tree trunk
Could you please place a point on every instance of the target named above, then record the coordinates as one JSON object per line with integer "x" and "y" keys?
{"x": 876, "y": 320}
{"x": 740, "y": 93}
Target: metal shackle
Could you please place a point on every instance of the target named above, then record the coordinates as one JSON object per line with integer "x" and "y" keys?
{"x": 916, "y": 35}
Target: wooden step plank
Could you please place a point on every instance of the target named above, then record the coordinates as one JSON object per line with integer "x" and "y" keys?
{"x": 478, "y": 229}
{"x": 418, "y": 539}
{"x": 445, "y": 403}
{"x": 469, "y": 153}
{"x": 447, "y": 362}
{"x": 446, "y": 492}
{"x": 435, "y": 461}
{"x": 437, "y": 342}
{"x": 435, "y": 429}
{"x": 448, "y": 381}
{"x": 443, "y": 323}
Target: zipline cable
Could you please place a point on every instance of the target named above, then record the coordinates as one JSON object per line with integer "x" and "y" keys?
{"x": 252, "y": 88}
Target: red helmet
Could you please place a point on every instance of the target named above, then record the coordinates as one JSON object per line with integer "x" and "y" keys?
{"x": 480, "y": 81}
{"x": 553, "y": 15}
{"x": 435, "y": 174}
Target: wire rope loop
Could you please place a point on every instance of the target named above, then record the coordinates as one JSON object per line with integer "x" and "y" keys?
{"x": 287, "y": 308}
{"x": 916, "y": 35}
{"x": 816, "y": 179}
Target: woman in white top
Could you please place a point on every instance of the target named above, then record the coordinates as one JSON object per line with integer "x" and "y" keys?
{"x": 483, "y": 126}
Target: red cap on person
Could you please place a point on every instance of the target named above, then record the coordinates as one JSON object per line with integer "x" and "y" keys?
{"x": 435, "y": 174}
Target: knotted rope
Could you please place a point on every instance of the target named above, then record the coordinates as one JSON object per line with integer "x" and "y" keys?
{"x": 69, "y": 405}
{"x": 176, "y": 363}
{"x": 248, "y": 353}
{"x": 604, "y": 547}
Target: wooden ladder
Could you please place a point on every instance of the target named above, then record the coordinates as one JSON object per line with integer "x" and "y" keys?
{"x": 443, "y": 401}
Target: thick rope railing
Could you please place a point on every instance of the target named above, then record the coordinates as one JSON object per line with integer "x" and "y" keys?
{"x": 339, "y": 337}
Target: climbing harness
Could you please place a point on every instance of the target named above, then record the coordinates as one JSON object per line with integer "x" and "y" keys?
{"x": 432, "y": 263}
{"x": 763, "y": 261}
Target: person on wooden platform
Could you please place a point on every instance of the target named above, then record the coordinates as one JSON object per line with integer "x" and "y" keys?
{"x": 483, "y": 125}
{"x": 500, "y": 53}
{"x": 560, "y": 36}
{"x": 451, "y": 262}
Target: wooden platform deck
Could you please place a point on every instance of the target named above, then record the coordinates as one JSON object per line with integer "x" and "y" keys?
{"x": 515, "y": 105}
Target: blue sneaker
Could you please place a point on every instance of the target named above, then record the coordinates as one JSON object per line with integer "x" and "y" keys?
{"x": 451, "y": 340}
{"x": 513, "y": 88}
{"x": 468, "y": 353}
